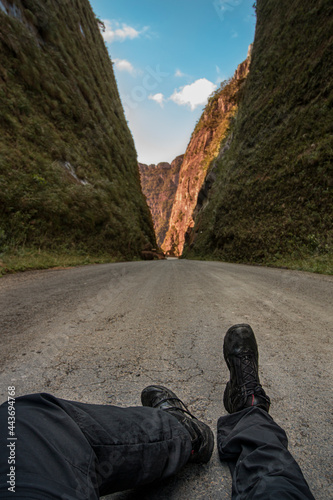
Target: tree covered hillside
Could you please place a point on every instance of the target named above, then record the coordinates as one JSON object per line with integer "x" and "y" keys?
{"x": 68, "y": 170}
{"x": 272, "y": 201}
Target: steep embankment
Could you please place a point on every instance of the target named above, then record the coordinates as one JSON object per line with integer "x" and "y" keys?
{"x": 159, "y": 184}
{"x": 272, "y": 201}
{"x": 68, "y": 168}
{"x": 203, "y": 147}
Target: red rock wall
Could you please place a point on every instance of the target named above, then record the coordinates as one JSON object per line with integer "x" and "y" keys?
{"x": 159, "y": 185}
{"x": 204, "y": 146}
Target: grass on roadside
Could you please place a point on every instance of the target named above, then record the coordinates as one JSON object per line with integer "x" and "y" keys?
{"x": 30, "y": 259}
{"x": 321, "y": 264}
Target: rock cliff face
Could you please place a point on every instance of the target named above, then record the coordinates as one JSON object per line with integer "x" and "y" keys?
{"x": 272, "y": 201}
{"x": 159, "y": 184}
{"x": 204, "y": 146}
{"x": 68, "y": 167}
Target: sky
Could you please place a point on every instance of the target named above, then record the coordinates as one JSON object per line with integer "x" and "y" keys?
{"x": 169, "y": 56}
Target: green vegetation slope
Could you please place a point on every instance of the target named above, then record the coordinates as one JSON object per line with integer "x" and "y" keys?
{"x": 69, "y": 178}
{"x": 272, "y": 201}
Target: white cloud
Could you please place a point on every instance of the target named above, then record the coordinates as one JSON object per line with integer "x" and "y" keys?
{"x": 223, "y": 6}
{"x": 123, "y": 65}
{"x": 195, "y": 94}
{"x": 159, "y": 98}
{"x": 179, "y": 74}
{"x": 116, "y": 32}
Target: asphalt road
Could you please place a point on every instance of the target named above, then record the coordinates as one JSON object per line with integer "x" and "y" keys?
{"x": 100, "y": 334}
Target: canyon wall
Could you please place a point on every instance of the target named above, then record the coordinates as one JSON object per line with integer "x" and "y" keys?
{"x": 159, "y": 184}
{"x": 272, "y": 200}
{"x": 69, "y": 177}
{"x": 211, "y": 129}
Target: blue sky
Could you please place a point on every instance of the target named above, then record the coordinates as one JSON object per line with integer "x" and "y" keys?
{"x": 169, "y": 56}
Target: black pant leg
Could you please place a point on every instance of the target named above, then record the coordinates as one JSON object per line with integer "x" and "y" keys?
{"x": 67, "y": 450}
{"x": 256, "y": 449}
{"x": 53, "y": 459}
{"x": 133, "y": 446}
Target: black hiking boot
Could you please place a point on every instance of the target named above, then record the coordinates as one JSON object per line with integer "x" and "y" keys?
{"x": 241, "y": 355}
{"x": 202, "y": 438}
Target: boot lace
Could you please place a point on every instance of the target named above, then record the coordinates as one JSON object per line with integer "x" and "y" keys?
{"x": 167, "y": 400}
{"x": 251, "y": 383}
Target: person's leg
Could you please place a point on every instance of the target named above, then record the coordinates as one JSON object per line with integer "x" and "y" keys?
{"x": 75, "y": 451}
{"x": 132, "y": 446}
{"x": 254, "y": 446}
{"x": 50, "y": 455}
